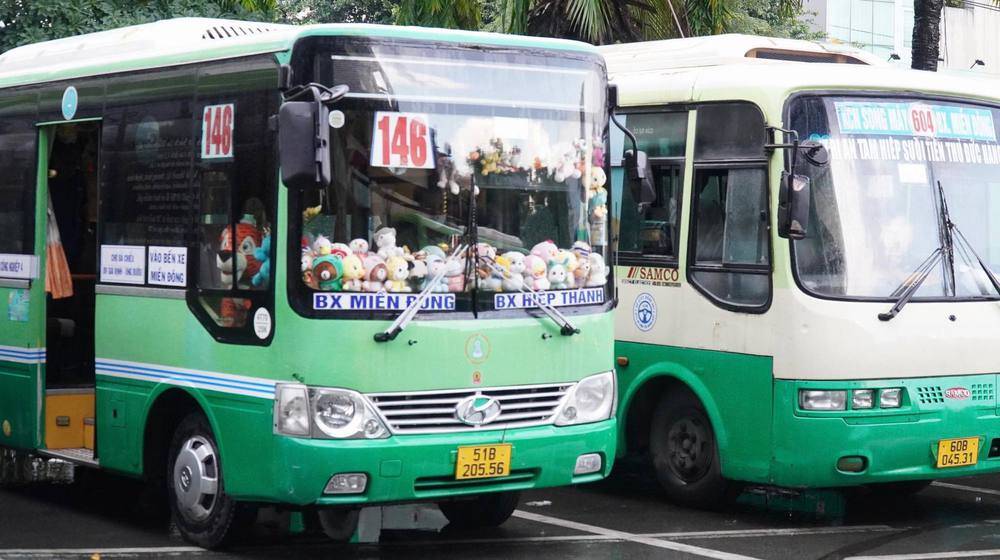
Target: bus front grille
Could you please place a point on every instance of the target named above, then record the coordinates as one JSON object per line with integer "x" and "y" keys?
{"x": 430, "y": 412}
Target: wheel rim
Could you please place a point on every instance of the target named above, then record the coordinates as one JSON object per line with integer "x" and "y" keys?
{"x": 196, "y": 478}
{"x": 689, "y": 448}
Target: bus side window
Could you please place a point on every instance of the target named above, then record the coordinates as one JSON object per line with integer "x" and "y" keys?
{"x": 652, "y": 233}
{"x": 729, "y": 253}
{"x": 235, "y": 186}
{"x": 17, "y": 182}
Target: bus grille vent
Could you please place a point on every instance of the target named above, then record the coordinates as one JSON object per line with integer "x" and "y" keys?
{"x": 930, "y": 395}
{"x": 234, "y": 31}
{"x": 982, "y": 391}
{"x": 432, "y": 412}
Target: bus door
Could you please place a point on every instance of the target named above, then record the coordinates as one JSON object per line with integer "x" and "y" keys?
{"x": 68, "y": 181}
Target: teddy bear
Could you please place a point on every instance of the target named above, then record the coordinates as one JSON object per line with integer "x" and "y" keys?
{"x": 385, "y": 240}
{"x": 454, "y": 275}
{"x": 511, "y": 281}
{"x": 535, "y": 270}
{"x": 569, "y": 262}
{"x": 322, "y": 246}
{"x": 598, "y": 271}
{"x": 359, "y": 247}
{"x": 398, "y": 271}
{"x": 329, "y": 271}
{"x": 546, "y": 250}
{"x": 236, "y": 261}
{"x": 565, "y": 166}
{"x": 375, "y": 274}
{"x": 582, "y": 272}
{"x": 447, "y": 174}
{"x": 557, "y": 276}
{"x": 354, "y": 272}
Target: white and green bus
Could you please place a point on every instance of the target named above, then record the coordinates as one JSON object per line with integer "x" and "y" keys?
{"x": 322, "y": 267}
{"x": 807, "y": 288}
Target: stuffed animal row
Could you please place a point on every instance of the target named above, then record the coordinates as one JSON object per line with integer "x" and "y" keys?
{"x": 354, "y": 267}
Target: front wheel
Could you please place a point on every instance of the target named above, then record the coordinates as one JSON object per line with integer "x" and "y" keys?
{"x": 202, "y": 511}
{"x": 489, "y": 510}
{"x": 685, "y": 453}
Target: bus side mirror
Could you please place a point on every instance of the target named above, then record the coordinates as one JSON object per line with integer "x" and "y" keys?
{"x": 304, "y": 144}
{"x": 793, "y": 206}
{"x": 639, "y": 175}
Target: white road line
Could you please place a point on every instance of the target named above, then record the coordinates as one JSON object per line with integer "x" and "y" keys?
{"x": 966, "y": 488}
{"x": 790, "y": 532}
{"x": 48, "y": 552}
{"x": 931, "y": 555}
{"x": 611, "y": 533}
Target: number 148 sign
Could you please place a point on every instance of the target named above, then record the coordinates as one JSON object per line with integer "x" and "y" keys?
{"x": 217, "y": 131}
{"x": 401, "y": 140}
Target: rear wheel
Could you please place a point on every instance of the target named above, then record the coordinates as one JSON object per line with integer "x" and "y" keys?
{"x": 202, "y": 511}
{"x": 685, "y": 453}
{"x": 489, "y": 510}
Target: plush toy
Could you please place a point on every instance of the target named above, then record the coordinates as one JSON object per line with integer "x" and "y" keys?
{"x": 307, "y": 269}
{"x": 565, "y": 167}
{"x": 447, "y": 174}
{"x": 511, "y": 281}
{"x": 516, "y": 260}
{"x": 546, "y": 250}
{"x": 569, "y": 262}
{"x": 329, "y": 271}
{"x": 435, "y": 264}
{"x": 598, "y": 272}
{"x": 581, "y": 249}
{"x": 536, "y": 273}
{"x": 340, "y": 249}
{"x": 598, "y": 205}
{"x": 434, "y": 250}
{"x": 398, "y": 271}
{"x": 236, "y": 261}
{"x": 582, "y": 272}
{"x": 375, "y": 274}
{"x": 454, "y": 275}
{"x": 385, "y": 240}
{"x": 263, "y": 255}
{"x": 359, "y": 247}
{"x": 557, "y": 276}
{"x": 354, "y": 273}
{"x": 418, "y": 271}
{"x": 322, "y": 246}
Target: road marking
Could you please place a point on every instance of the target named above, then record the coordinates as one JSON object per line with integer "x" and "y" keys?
{"x": 789, "y": 532}
{"x": 611, "y": 533}
{"x": 931, "y": 555}
{"x": 966, "y": 488}
{"x": 49, "y": 552}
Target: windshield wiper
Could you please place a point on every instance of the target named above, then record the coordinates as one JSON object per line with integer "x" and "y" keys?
{"x": 909, "y": 286}
{"x": 965, "y": 247}
{"x": 566, "y": 328}
{"x": 411, "y": 310}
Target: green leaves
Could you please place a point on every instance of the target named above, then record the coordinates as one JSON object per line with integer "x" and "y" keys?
{"x": 452, "y": 14}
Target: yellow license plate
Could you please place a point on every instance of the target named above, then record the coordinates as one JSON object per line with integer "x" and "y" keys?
{"x": 959, "y": 452}
{"x": 483, "y": 461}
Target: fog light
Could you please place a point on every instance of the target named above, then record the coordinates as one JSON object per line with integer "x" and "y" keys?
{"x": 852, "y": 463}
{"x": 347, "y": 483}
{"x": 890, "y": 398}
{"x": 862, "y": 398}
{"x": 588, "y": 463}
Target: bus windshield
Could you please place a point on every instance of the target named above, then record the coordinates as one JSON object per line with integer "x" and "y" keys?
{"x": 876, "y": 208}
{"x": 425, "y": 135}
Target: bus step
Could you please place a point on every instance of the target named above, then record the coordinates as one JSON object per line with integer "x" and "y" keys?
{"x": 77, "y": 456}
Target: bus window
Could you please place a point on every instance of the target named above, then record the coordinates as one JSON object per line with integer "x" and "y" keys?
{"x": 730, "y": 261}
{"x": 235, "y": 184}
{"x": 17, "y": 182}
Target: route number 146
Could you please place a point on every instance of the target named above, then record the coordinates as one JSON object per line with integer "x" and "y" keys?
{"x": 401, "y": 140}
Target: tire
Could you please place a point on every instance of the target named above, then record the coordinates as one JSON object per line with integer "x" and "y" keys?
{"x": 339, "y": 525}
{"x": 200, "y": 508}
{"x": 899, "y": 489}
{"x": 685, "y": 454}
{"x": 488, "y": 510}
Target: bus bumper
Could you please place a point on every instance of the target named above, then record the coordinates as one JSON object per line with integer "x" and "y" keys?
{"x": 894, "y": 444}
{"x": 422, "y": 467}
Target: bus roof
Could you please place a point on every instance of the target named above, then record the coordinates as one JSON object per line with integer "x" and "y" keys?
{"x": 188, "y": 40}
{"x": 645, "y": 79}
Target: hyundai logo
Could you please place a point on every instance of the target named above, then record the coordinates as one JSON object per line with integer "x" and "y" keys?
{"x": 477, "y": 410}
{"x": 957, "y": 393}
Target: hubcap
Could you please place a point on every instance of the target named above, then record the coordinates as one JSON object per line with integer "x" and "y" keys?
{"x": 196, "y": 478}
{"x": 689, "y": 445}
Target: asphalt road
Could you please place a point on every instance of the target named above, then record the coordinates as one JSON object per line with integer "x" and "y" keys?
{"x": 623, "y": 517}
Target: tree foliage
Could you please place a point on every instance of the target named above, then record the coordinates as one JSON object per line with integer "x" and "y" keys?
{"x": 338, "y": 11}
{"x": 450, "y": 14}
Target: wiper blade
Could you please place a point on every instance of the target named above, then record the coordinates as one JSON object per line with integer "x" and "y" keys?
{"x": 566, "y": 328}
{"x": 909, "y": 286}
{"x": 411, "y": 310}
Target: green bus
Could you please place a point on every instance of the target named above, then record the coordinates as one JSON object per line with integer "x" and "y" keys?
{"x": 323, "y": 267}
{"x": 807, "y": 284}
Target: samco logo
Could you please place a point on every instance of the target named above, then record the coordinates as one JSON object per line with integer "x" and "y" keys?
{"x": 650, "y": 276}
{"x": 957, "y": 393}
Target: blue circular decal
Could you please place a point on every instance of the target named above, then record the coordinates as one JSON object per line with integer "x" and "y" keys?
{"x": 644, "y": 312}
{"x": 69, "y": 102}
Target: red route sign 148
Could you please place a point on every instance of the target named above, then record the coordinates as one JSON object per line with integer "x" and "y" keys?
{"x": 217, "y": 131}
{"x": 401, "y": 140}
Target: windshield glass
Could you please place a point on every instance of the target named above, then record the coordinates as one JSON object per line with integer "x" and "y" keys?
{"x": 424, "y": 127}
{"x": 876, "y": 211}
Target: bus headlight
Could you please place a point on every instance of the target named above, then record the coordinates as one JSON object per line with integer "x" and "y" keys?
{"x": 343, "y": 414}
{"x": 590, "y": 400}
{"x": 291, "y": 410}
{"x": 810, "y": 399}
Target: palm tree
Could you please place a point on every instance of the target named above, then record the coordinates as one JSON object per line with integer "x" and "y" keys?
{"x": 926, "y": 33}
{"x": 452, "y": 14}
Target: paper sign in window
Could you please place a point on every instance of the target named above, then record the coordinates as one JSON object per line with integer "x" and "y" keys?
{"x": 401, "y": 140}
